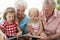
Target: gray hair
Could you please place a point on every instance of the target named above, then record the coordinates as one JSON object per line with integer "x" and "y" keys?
{"x": 51, "y": 2}
{"x": 21, "y": 3}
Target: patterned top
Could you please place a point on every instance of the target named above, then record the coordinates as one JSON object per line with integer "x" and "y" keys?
{"x": 9, "y": 29}
{"x": 35, "y": 26}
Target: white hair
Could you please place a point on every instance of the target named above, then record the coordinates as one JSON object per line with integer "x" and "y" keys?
{"x": 51, "y": 2}
{"x": 21, "y": 3}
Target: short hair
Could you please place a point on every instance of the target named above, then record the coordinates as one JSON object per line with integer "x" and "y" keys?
{"x": 21, "y": 2}
{"x": 9, "y": 9}
{"x": 51, "y": 2}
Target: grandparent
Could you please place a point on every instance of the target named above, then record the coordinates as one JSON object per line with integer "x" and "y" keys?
{"x": 22, "y": 18}
{"x": 51, "y": 21}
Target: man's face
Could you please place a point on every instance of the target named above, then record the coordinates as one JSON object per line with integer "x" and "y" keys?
{"x": 48, "y": 9}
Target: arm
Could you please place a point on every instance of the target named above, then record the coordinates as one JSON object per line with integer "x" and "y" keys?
{"x": 30, "y": 29}
{"x": 40, "y": 28}
{"x": 57, "y": 35}
{"x": 3, "y": 35}
{"x": 19, "y": 31}
{"x": 18, "y": 28}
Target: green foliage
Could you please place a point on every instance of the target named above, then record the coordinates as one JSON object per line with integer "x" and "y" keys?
{"x": 58, "y": 1}
{"x": 58, "y": 7}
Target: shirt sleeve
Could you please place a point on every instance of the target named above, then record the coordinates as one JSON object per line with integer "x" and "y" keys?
{"x": 58, "y": 29}
{"x": 24, "y": 22}
{"x": 16, "y": 24}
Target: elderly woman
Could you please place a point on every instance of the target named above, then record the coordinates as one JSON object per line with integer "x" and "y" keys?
{"x": 22, "y": 18}
{"x": 51, "y": 20}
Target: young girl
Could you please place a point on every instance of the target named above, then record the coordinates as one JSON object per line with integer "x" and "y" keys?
{"x": 35, "y": 27}
{"x": 9, "y": 26}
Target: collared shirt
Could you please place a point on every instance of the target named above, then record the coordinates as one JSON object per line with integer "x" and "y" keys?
{"x": 23, "y": 24}
{"x": 52, "y": 26}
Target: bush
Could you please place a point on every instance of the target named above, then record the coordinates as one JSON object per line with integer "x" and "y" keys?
{"x": 58, "y": 1}
{"x": 58, "y": 7}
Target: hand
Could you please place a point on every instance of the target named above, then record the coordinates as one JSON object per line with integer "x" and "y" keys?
{"x": 20, "y": 33}
{"x": 45, "y": 38}
{"x": 34, "y": 34}
{"x": 29, "y": 34}
{"x": 38, "y": 34}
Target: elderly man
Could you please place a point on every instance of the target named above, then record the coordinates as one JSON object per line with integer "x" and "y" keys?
{"x": 51, "y": 20}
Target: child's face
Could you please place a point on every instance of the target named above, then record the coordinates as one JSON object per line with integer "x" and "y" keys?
{"x": 10, "y": 17}
{"x": 34, "y": 15}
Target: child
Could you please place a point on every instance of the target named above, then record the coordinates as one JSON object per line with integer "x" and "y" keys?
{"x": 35, "y": 27}
{"x": 9, "y": 26}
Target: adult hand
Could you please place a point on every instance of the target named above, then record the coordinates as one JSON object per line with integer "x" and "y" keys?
{"x": 46, "y": 38}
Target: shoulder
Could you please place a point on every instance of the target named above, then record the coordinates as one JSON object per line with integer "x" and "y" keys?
{"x": 4, "y": 24}
{"x": 27, "y": 18}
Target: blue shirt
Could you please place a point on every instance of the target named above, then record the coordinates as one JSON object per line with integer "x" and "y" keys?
{"x": 23, "y": 24}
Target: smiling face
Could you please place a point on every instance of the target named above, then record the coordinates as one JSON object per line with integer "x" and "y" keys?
{"x": 48, "y": 9}
{"x": 10, "y": 17}
{"x": 34, "y": 14}
{"x": 9, "y": 14}
{"x": 21, "y": 10}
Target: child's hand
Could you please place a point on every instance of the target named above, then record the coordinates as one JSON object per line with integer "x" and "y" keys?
{"x": 34, "y": 34}
{"x": 20, "y": 33}
{"x": 43, "y": 35}
{"x": 38, "y": 34}
{"x": 29, "y": 34}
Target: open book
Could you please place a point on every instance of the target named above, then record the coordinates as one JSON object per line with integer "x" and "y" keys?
{"x": 25, "y": 36}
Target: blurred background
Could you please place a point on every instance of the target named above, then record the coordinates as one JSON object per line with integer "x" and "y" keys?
{"x": 30, "y": 3}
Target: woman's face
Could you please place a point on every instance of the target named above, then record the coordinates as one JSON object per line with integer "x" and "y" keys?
{"x": 21, "y": 10}
{"x": 48, "y": 9}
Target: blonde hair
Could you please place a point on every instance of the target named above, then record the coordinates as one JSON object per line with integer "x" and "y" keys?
{"x": 11, "y": 10}
{"x": 51, "y": 2}
{"x": 21, "y": 3}
{"x": 34, "y": 9}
